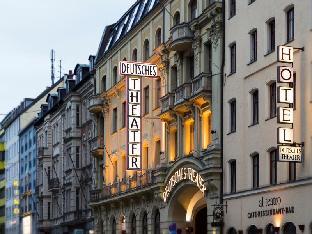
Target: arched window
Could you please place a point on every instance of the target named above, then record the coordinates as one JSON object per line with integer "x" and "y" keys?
{"x": 158, "y": 37}
{"x": 289, "y": 228}
{"x": 113, "y": 226}
{"x": 133, "y": 224}
{"x": 252, "y": 230}
{"x": 192, "y": 9}
{"x": 176, "y": 18}
{"x": 232, "y": 231}
{"x": 157, "y": 222}
{"x": 144, "y": 224}
{"x": 146, "y": 49}
{"x": 269, "y": 229}
{"x": 135, "y": 55}
{"x": 104, "y": 83}
{"x": 124, "y": 59}
{"x": 115, "y": 75}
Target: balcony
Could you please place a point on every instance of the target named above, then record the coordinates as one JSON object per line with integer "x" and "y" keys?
{"x": 167, "y": 103}
{"x": 53, "y": 184}
{"x": 95, "y": 104}
{"x": 71, "y": 133}
{"x": 97, "y": 146}
{"x": 123, "y": 187}
{"x": 182, "y": 95}
{"x": 44, "y": 152}
{"x": 182, "y": 37}
{"x": 201, "y": 89}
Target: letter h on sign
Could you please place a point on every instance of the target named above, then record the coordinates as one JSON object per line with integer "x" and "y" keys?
{"x": 285, "y": 54}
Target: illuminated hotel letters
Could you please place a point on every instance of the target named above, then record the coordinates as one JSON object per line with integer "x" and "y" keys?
{"x": 287, "y": 151}
{"x": 134, "y": 73}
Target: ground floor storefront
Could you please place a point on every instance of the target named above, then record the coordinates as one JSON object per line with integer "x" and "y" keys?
{"x": 285, "y": 208}
{"x": 180, "y": 199}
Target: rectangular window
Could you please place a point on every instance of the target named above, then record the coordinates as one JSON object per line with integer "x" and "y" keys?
{"x": 114, "y": 124}
{"x": 123, "y": 123}
{"x": 292, "y": 171}
{"x": 255, "y": 107}
{"x": 233, "y": 176}
{"x": 272, "y": 91}
{"x": 49, "y": 210}
{"x": 271, "y": 36}
{"x": 253, "y": 46}
{"x": 273, "y": 167}
{"x": 232, "y": 8}
{"x": 233, "y": 58}
{"x": 77, "y": 156}
{"x": 208, "y": 58}
{"x": 233, "y": 116}
{"x": 255, "y": 171}
{"x": 77, "y": 116}
{"x": 158, "y": 93}
{"x": 157, "y": 153}
{"x": 290, "y": 17}
{"x": 77, "y": 198}
{"x": 146, "y": 100}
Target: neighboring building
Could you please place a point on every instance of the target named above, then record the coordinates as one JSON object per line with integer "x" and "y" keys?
{"x": 179, "y": 184}
{"x": 13, "y": 124}
{"x": 264, "y": 195}
{"x": 64, "y": 166}
{"x": 2, "y": 182}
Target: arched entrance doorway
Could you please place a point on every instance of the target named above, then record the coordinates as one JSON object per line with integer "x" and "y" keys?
{"x": 289, "y": 228}
{"x": 188, "y": 209}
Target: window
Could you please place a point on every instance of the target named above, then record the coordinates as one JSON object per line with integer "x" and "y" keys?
{"x": 233, "y": 58}
{"x": 271, "y": 35}
{"x": 290, "y": 17}
{"x": 135, "y": 55}
{"x": 49, "y": 210}
{"x": 192, "y": 9}
{"x": 292, "y": 171}
{"x": 176, "y": 18}
{"x": 233, "y": 115}
{"x": 158, "y": 38}
{"x": 146, "y": 100}
{"x": 146, "y": 52}
{"x": 133, "y": 225}
{"x": 273, "y": 167}
{"x": 269, "y": 229}
{"x": 114, "y": 75}
{"x": 272, "y": 93}
{"x": 174, "y": 78}
{"x": 123, "y": 123}
{"x": 232, "y": 5}
{"x": 77, "y": 116}
{"x": 253, "y": 46}
{"x": 104, "y": 83}
{"x": 255, "y": 106}
{"x": 233, "y": 176}
{"x": 157, "y": 222}
{"x": 77, "y": 198}
{"x": 157, "y": 153}
{"x": 113, "y": 226}
{"x": 144, "y": 224}
{"x": 114, "y": 126}
{"x": 208, "y": 57}
{"x": 158, "y": 93}
{"x": 255, "y": 170}
{"x": 77, "y": 156}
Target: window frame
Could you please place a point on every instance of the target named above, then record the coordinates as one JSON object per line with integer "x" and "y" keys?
{"x": 233, "y": 56}
{"x": 233, "y": 175}
{"x": 290, "y": 23}
{"x": 233, "y": 112}
{"x": 253, "y": 46}
{"x": 146, "y": 93}
{"x": 255, "y": 170}
{"x": 273, "y": 166}
{"x": 232, "y": 8}
{"x": 114, "y": 120}
{"x": 272, "y": 100}
{"x": 254, "y": 107}
{"x": 271, "y": 32}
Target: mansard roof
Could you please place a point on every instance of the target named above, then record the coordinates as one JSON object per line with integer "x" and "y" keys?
{"x": 115, "y": 32}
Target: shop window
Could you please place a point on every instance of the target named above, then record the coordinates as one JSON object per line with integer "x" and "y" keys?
{"x": 232, "y": 231}
{"x": 289, "y": 228}
{"x": 252, "y": 230}
{"x": 269, "y": 229}
{"x": 292, "y": 171}
{"x": 273, "y": 167}
{"x": 290, "y": 23}
{"x": 144, "y": 224}
{"x": 157, "y": 222}
{"x": 133, "y": 225}
{"x": 232, "y": 176}
{"x": 176, "y": 18}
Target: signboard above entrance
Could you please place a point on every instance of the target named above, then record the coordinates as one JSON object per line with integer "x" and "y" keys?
{"x": 138, "y": 69}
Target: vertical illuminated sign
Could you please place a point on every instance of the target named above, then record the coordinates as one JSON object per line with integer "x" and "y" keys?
{"x": 134, "y": 73}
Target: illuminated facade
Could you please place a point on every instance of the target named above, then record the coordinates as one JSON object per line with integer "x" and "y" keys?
{"x": 64, "y": 168}
{"x": 2, "y": 182}
{"x": 178, "y": 187}
{"x": 264, "y": 195}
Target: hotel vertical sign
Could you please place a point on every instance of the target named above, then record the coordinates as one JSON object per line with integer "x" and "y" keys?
{"x": 134, "y": 73}
{"x": 288, "y": 151}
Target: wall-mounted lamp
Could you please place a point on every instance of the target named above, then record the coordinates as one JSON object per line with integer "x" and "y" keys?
{"x": 301, "y": 227}
{"x": 276, "y": 229}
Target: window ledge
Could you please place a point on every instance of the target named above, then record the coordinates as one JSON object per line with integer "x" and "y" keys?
{"x": 232, "y": 132}
{"x": 269, "y": 118}
{"x": 253, "y": 124}
{"x": 251, "y": 62}
{"x": 288, "y": 42}
{"x": 269, "y": 52}
{"x": 231, "y": 73}
{"x": 231, "y": 16}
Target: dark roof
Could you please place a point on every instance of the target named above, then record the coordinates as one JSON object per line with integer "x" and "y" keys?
{"x": 113, "y": 33}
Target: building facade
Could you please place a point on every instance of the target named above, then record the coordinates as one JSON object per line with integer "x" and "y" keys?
{"x": 64, "y": 165}
{"x": 179, "y": 185}
{"x": 262, "y": 193}
{"x": 2, "y": 182}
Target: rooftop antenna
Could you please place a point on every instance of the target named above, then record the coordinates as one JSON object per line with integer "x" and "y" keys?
{"x": 60, "y": 67}
{"x": 52, "y": 66}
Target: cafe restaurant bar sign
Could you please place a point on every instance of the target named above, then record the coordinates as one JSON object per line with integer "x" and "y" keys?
{"x": 134, "y": 73}
{"x": 184, "y": 173}
{"x": 288, "y": 151}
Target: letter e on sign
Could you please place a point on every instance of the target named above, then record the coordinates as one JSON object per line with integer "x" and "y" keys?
{"x": 285, "y": 54}
{"x": 285, "y": 115}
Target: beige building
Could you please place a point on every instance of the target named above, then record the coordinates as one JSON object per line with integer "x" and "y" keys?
{"x": 264, "y": 195}
{"x": 64, "y": 168}
{"x": 178, "y": 187}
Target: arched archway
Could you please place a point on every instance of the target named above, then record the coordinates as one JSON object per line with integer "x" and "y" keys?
{"x": 252, "y": 230}
{"x": 232, "y": 231}
{"x": 269, "y": 229}
{"x": 289, "y": 228}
